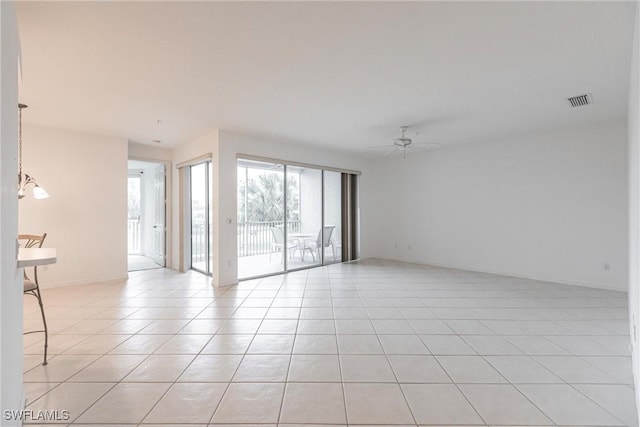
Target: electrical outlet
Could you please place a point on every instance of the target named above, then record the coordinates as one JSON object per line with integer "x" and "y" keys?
{"x": 607, "y": 266}
{"x": 409, "y": 247}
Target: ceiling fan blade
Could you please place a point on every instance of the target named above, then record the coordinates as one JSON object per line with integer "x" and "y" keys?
{"x": 390, "y": 151}
{"x": 424, "y": 147}
{"x": 379, "y": 147}
{"x": 428, "y": 144}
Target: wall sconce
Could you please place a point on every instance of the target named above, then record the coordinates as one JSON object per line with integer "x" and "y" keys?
{"x": 25, "y": 179}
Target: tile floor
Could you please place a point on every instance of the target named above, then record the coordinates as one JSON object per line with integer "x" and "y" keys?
{"x": 367, "y": 343}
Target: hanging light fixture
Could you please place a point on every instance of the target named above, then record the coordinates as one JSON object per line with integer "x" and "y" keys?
{"x": 25, "y": 179}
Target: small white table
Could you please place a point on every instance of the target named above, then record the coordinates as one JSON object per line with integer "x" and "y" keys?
{"x": 29, "y": 257}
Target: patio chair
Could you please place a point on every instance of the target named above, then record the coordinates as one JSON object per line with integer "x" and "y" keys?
{"x": 277, "y": 245}
{"x": 320, "y": 242}
{"x": 31, "y": 287}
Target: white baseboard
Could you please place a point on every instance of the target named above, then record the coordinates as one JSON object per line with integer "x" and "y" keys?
{"x": 508, "y": 274}
{"x": 90, "y": 281}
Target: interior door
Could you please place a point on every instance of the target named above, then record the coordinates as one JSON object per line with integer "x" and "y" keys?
{"x": 159, "y": 227}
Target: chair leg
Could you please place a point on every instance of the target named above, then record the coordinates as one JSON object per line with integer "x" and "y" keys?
{"x": 36, "y": 293}
{"x": 44, "y": 323}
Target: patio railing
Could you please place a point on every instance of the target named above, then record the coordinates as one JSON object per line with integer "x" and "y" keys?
{"x": 255, "y": 238}
{"x": 198, "y": 242}
{"x": 133, "y": 236}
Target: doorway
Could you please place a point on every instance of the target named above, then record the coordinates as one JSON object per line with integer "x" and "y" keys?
{"x": 146, "y": 215}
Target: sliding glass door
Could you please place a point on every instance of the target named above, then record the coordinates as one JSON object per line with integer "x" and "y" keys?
{"x": 201, "y": 217}
{"x": 304, "y": 225}
{"x": 289, "y": 217}
{"x": 262, "y": 245}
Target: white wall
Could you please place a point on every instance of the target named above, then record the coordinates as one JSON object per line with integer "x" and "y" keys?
{"x": 10, "y": 277}
{"x": 547, "y": 206}
{"x": 85, "y": 218}
{"x": 149, "y": 152}
{"x": 634, "y": 206}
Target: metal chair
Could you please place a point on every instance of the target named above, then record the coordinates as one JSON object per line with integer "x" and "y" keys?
{"x": 277, "y": 245}
{"x": 31, "y": 287}
{"x": 321, "y": 242}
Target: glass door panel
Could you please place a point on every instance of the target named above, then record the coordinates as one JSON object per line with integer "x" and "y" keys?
{"x": 332, "y": 247}
{"x": 304, "y": 216}
{"x": 200, "y": 217}
{"x": 262, "y": 245}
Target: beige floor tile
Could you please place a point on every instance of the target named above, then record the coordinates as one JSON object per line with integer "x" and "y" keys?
{"x": 503, "y": 404}
{"x": 315, "y": 344}
{"x": 575, "y": 370}
{"x": 202, "y": 326}
{"x": 376, "y": 403}
{"x": 57, "y": 344}
{"x": 316, "y": 327}
{"x": 59, "y": 368}
{"x": 313, "y": 403}
{"x": 491, "y": 345}
{"x": 75, "y": 398}
{"x": 359, "y": 344}
{"x": 141, "y": 344}
{"x": 109, "y": 368}
{"x": 187, "y": 403}
{"x": 272, "y": 344}
{"x": 619, "y": 400}
{"x": 440, "y": 404}
{"x": 126, "y": 326}
{"x": 564, "y": 405}
{"x": 373, "y": 300}
{"x": 240, "y": 326}
{"x": 418, "y": 369}
{"x": 250, "y": 403}
{"x": 470, "y": 369}
{"x": 228, "y": 344}
{"x": 184, "y": 344}
{"x": 314, "y": 368}
{"x": 164, "y": 327}
{"x": 33, "y": 391}
{"x": 618, "y": 367}
{"x": 211, "y": 368}
{"x": 97, "y": 344}
{"x": 402, "y": 344}
{"x": 278, "y": 326}
{"x": 366, "y": 368}
{"x": 159, "y": 368}
{"x": 125, "y": 403}
{"x": 447, "y": 345}
{"x": 262, "y": 368}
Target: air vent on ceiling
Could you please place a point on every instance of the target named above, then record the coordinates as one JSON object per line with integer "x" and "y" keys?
{"x": 580, "y": 100}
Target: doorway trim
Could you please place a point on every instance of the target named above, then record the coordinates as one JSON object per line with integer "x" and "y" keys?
{"x": 168, "y": 209}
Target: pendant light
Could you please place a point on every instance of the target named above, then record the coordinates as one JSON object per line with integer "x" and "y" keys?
{"x": 25, "y": 179}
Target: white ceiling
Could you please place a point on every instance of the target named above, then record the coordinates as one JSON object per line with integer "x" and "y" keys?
{"x": 344, "y": 75}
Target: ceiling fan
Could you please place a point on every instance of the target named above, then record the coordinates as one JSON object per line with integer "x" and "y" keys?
{"x": 404, "y": 143}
